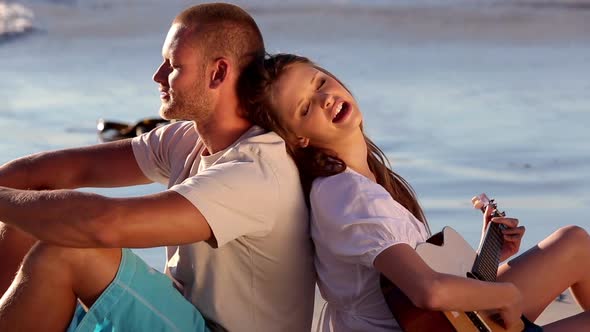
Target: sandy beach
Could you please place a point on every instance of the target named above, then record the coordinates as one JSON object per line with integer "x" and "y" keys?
{"x": 430, "y": 73}
{"x": 565, "y": 307}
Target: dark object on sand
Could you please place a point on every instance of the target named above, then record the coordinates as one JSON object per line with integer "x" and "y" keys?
{"x": 109, "y": 131}
{"x": 561, "y": 298}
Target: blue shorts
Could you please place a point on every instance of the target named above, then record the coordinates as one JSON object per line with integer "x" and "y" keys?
{"x": 138, "y": 299}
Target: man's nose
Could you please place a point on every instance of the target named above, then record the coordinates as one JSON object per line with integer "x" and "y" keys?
{"x": 161, "y": 74}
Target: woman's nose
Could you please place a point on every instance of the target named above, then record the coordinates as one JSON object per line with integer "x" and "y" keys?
{"x": 326, "y": 100}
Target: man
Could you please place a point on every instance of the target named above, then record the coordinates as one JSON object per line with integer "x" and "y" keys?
{"x": 234, "y": 217}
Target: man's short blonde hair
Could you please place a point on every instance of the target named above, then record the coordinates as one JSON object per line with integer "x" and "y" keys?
{"x": 224, "y": 30}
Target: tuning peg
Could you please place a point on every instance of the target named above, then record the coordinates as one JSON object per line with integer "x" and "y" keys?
{"x": 497, "y": 213}
{"x": 477, "y": 203}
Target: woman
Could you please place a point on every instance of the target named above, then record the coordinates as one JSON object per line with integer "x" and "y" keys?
{"x": 366, "y": 219}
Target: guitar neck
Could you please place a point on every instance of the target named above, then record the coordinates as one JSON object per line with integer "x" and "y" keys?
{"x": 486, "y": 263}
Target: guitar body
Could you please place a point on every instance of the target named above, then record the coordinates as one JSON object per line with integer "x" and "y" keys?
{"x": 445, "y": 252}
{"x": 450, "y": 254}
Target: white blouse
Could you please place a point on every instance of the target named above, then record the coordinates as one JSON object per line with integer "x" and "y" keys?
{"x": 354, "y": 219}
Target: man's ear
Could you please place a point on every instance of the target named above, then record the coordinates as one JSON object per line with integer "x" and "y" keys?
{"x": 220, "y": 73}
{"x": 303, "y": 141}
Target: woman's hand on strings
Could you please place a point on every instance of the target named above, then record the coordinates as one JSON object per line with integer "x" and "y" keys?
{"x": 512, "y": 233}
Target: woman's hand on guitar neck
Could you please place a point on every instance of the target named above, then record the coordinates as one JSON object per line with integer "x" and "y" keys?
{"x": 512, "y": 233}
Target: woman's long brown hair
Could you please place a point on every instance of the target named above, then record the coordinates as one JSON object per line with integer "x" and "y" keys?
{"x": 254, "y": 91}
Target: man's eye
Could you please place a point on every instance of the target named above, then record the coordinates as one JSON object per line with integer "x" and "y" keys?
{"x": 173, "y": 64}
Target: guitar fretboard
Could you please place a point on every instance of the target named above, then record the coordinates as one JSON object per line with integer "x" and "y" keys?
{"x": 488, "y": 257}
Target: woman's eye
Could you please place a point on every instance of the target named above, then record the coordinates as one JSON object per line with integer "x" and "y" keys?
{"x": 322, "y": 82}
{"x": 306, "y": 109}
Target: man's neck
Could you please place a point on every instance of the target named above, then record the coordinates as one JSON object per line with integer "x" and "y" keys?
{"x": 218, "y": 133}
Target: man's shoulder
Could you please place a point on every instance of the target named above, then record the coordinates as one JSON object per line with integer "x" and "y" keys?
{"x": 264, "y": 154}
{"x": 180, "y": 127}
{"x": 264, "y": 145}
{"x": 259, "y": 136}
{"x": 175, "y": 132}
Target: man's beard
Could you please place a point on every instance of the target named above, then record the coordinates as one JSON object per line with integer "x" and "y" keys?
{"x": 195, "y": 106}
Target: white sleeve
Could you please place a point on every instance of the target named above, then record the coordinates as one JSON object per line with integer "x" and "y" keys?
{"x": 154, "y": 150}
{"x": 357, "y": 220}
{"x": 236, "y": 198}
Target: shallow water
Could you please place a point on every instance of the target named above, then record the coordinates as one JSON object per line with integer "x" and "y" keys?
{"x": 491, "y": 99}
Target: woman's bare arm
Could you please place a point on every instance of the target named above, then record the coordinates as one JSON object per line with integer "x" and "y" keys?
{"x": 431, "y": 290}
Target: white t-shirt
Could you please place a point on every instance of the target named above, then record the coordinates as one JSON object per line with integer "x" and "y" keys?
{"x": 261, "y": 277}
{"x": 354, "y": 219}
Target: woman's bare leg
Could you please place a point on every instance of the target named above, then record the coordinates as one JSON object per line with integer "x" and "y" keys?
{"x": 560, "y": 261}
{"x": 577, "y": 323}
{"x": 43, "y": 294}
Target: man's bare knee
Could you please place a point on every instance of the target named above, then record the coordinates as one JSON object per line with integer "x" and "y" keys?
{"x": 14, "y": 242}
{"x": 76, "y": 260}
{"x": 14, "y": 245}
{"x": 49, "y": 261}
{"x": 87, "y": 271}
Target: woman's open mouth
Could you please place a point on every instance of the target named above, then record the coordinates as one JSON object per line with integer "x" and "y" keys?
{"x": 341, "y": 110}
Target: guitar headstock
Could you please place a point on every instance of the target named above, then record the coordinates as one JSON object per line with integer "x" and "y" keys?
{"x": 482, "y": 201}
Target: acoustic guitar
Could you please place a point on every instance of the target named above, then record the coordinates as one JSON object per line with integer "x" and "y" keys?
{"x": 447, "y": 252}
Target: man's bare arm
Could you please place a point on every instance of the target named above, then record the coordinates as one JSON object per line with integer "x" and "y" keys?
{"x": 78, "y": 219}
{"x": 104, "y": 165}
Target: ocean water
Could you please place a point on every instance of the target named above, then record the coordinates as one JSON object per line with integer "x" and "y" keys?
{"x": 464, "y": 97}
